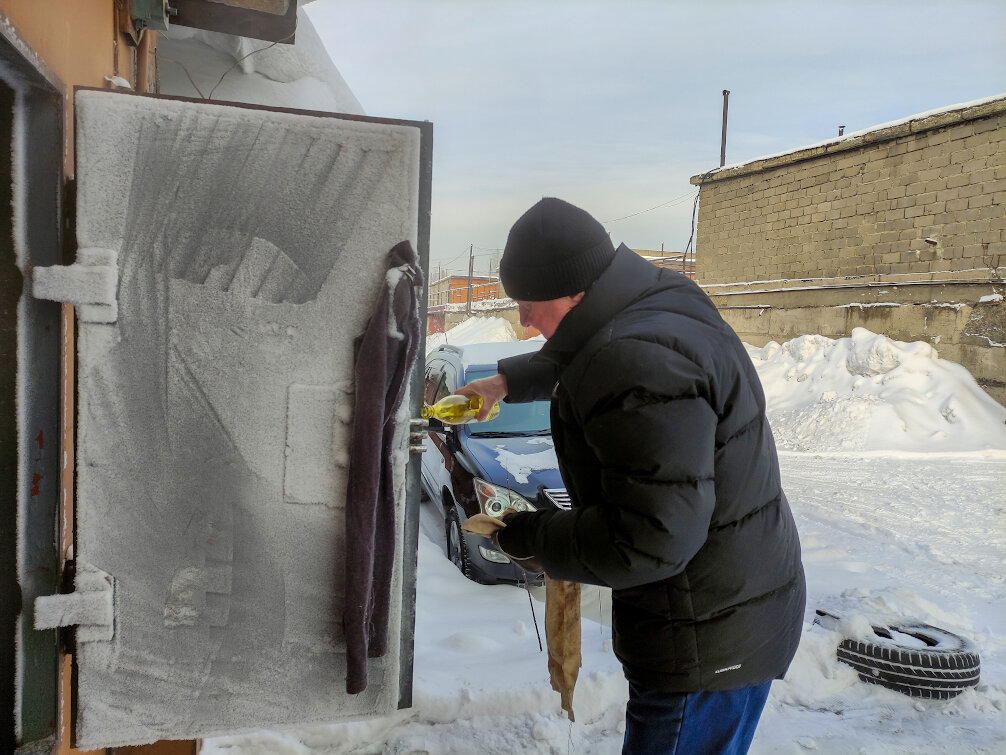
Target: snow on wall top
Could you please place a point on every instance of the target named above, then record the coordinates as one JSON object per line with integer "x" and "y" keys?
{"x": 917, "y": 122}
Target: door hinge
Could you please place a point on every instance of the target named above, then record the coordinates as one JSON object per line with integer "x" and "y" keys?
{"x": 90, "y": 607}
{"x": 90, "y": 284}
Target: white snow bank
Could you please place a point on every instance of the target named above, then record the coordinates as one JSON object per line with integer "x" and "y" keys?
{"x": 870, "y": 393}
{"x": 474, "y": 330}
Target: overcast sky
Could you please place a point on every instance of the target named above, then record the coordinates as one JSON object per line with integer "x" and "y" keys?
{"x": 615, "y": 105}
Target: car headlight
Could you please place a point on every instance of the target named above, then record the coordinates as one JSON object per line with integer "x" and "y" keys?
{"x": 494, "y": 556}
{"x": 495, "y": 499}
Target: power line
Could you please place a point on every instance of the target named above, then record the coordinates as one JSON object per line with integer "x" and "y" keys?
{"x": 676, "y": 200}
{"x": 492, "y": 251}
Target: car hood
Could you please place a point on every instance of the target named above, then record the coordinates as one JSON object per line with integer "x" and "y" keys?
{"x": 523, "y": 463}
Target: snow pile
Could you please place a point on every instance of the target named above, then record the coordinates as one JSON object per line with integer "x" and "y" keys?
{"x": 870, "y": 393}
{"x": 474, "y": 330}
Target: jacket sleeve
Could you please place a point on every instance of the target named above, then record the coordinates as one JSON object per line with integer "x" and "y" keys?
{"x": 646, "y": 417}
{"x": 528, "y": 379}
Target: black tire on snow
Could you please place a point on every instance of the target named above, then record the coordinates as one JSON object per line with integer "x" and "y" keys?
{"x": 945, "y": 667}
{"x": 457, "y": 548}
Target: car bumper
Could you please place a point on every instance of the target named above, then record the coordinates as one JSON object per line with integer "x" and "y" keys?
{"x": 484, "y": 557}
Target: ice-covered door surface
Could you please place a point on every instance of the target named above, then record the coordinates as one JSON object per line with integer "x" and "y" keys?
{"x": 215, "y": 406}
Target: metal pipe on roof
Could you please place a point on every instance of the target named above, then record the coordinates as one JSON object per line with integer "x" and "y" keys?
{"x": 723, "y": 138}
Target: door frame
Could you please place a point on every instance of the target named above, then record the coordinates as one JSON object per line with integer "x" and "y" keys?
{"x": 32, "y": 377}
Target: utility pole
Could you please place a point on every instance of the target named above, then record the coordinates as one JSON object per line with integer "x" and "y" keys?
{"x": 723, "y": 138}
{"x": 471, "y": 266}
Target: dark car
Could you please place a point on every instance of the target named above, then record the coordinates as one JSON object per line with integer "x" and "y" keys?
{"x": 487, "y": 467}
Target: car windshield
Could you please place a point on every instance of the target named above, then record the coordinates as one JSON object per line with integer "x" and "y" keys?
{"x": 531, "y": 418}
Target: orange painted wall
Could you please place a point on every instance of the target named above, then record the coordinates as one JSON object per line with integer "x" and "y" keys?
{"x": 78, "y": 42}
{"x": 73, "y": 37}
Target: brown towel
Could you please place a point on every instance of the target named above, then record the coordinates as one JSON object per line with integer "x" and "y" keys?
{"x": 562, "y": 621}
{"x": 562, "y": 633}
{"x": 384, "y": 355}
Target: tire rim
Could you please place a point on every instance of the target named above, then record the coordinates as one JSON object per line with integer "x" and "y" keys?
{"x": 454, "y": 542}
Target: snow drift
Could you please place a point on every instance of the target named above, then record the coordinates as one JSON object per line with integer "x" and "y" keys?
{"x": 870, "y": 393}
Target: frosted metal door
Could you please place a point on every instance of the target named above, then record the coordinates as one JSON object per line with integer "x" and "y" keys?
{"x": 244, "y": 250}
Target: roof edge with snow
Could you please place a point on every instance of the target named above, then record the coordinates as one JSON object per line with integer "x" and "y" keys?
{"x": 913, "y": 124}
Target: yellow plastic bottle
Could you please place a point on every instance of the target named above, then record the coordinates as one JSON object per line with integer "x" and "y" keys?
{"x": 457, "y": 409}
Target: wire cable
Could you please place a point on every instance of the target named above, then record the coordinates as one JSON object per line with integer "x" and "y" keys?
{"x": 676, "y": 200}
{"x": 243, "y": 57}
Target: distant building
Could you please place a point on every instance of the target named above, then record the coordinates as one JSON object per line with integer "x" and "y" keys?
{"x": 453, "y": 289}
{"x": 683, "y": 262}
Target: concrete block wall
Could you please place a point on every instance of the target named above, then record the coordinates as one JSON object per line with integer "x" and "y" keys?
{"x": 863, "y": 206}
{"x": 900, "y": 229}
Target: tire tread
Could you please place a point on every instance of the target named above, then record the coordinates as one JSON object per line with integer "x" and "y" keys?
{"x": 936, "y": 673}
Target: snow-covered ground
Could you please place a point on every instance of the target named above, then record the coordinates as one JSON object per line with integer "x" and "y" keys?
{"x": 895, "y": 464}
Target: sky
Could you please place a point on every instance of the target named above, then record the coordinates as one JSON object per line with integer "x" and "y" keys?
{"x": 889, "y": 535}
{"x": 615, "y": 105}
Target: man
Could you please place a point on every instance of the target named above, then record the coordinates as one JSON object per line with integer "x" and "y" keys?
{"x": 658, "y": 420}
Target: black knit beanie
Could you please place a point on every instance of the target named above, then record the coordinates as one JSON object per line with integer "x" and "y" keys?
{"x": 553, "y": 250}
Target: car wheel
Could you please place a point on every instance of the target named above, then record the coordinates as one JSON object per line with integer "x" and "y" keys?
{"x": 457, "y": 548}
{"x": 939, "y": 666}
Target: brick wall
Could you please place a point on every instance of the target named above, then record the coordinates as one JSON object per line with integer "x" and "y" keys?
{"x": 900, "y": 229}
{"x": 864, "y": 206}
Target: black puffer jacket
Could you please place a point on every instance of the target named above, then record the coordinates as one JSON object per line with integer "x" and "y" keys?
{"x": 658, "y": 419}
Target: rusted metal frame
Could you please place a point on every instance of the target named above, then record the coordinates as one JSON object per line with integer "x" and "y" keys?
{"x": 41, "y": 96}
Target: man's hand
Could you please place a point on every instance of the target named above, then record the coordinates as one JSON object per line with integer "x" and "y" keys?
{"x": 488, "y": 526}
{"x": 491, "y": 389}
{"x": 527, "y": 564}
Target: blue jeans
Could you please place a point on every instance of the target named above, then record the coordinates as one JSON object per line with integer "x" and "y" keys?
{"x": 690, "y": 723}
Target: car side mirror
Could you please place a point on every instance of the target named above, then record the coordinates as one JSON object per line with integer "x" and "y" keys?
{"x": 451, "y": 439}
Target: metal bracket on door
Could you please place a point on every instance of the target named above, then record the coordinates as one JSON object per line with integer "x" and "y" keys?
{"x": 90, "y": 284}
{"x": 90, "y": 607}
{"x": 416, "y": 432}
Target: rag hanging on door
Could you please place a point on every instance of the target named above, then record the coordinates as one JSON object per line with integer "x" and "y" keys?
{"x": 384, "y": 354}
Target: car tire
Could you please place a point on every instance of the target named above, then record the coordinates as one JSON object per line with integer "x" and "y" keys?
{"x": 457, "y": 548}
{"x": 946, "y": 666}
